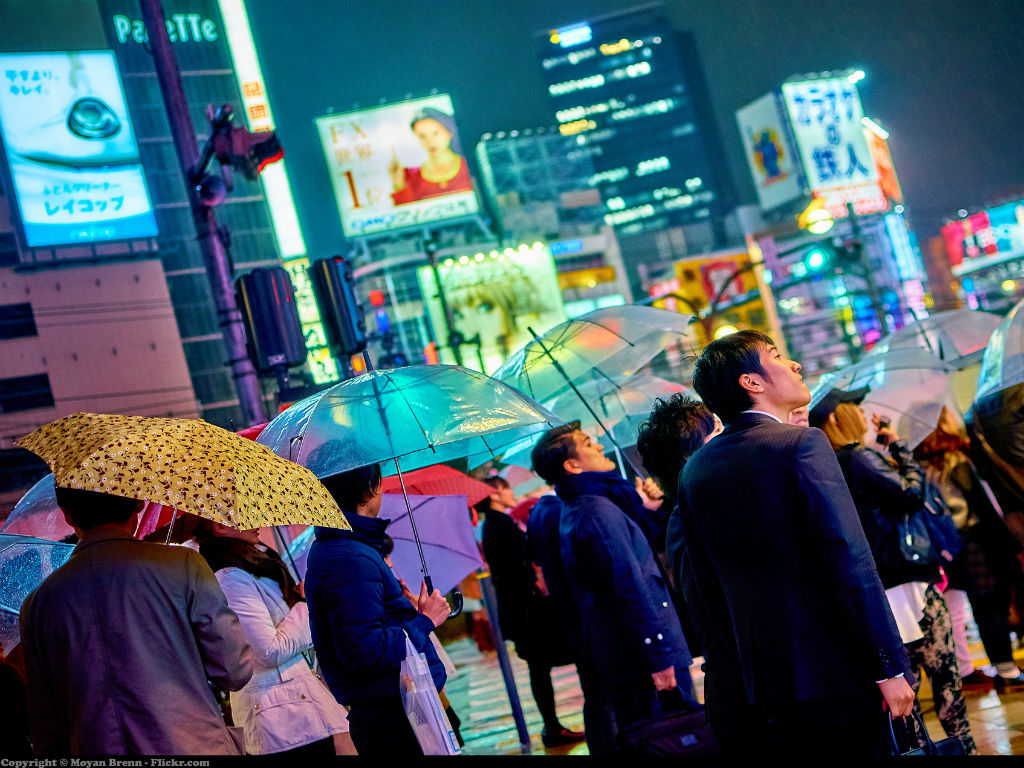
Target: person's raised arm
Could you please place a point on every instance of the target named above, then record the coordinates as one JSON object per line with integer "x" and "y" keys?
{"x": 271, "y": 643}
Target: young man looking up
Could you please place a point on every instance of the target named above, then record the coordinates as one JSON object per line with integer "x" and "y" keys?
{"x": 781, "y": 561}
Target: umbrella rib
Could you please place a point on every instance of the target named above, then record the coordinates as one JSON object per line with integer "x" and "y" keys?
{"x": 412, "y": 412}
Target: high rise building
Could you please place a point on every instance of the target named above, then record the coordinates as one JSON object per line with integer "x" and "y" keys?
{"x": 631, "y": 90}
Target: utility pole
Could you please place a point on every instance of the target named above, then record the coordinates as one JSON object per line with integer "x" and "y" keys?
{"x": 218, "y": 267}
{"x": 454, "y": 337}
{"x": 866, "y": 272}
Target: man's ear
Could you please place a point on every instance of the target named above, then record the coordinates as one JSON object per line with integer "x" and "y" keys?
{"x": 752, "y": 383}
{"x": 571, "y": 466}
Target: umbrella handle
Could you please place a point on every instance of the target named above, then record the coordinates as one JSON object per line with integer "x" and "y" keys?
{"x": 456, "y": 602}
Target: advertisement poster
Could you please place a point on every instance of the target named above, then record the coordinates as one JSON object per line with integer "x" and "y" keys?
{"x": 397, "y": 166}
{"x": 826, "y": 119}
{"x": 773, "y": 163}
{"x": 494, "y": 297}
{"x": 71, "y": 149}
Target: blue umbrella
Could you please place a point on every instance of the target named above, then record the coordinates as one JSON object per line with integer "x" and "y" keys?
{"x": 24, "y": 563}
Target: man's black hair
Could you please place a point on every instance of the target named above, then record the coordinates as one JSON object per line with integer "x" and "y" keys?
{"x": 554, "y": 448}
{"x": 354, "y": 487}
{"x": 675, "y": 428}
{"x": 716, "y": 375}
{"x": 90, "y": 508}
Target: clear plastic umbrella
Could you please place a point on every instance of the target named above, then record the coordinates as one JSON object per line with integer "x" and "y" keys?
{"x": 417, "y": 415}
{"x": 607, "y": 344}
{"x": 24, "y": 563}
{"x": 905, "y": 386}
{"x": 1003, "y": 363}
{"x": 957, "y": 336}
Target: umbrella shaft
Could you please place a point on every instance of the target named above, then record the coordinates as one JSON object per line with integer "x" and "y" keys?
{"x": 415, "y": 533}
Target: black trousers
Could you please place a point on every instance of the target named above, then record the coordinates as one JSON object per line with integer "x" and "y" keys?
{"x": 991, "y": 614}
{"x": 380, "y": 728}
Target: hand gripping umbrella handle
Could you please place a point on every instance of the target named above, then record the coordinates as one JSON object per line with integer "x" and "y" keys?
{"x": 455, "y": 601}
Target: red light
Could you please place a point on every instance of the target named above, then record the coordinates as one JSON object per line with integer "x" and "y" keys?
{"x": 376, "y": 298}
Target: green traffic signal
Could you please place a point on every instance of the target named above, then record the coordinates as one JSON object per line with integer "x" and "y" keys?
{"x": 816, "y": 259}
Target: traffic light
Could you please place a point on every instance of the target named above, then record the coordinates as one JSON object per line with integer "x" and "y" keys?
{"x": 815, "y": 218}
{"x": 246, "y": 151}
{"x": 267, "y": 301}
{"x": 817, "y": 258}
{"x": 340, "y": 311}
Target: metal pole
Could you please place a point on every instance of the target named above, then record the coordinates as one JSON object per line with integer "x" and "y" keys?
{"x": 491, "y": 606}
{"x": 449, "y": 316}
{"x": 218, "y": 269}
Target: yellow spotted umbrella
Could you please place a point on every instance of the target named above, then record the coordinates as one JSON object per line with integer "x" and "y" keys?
{"x": 187, "y": 464}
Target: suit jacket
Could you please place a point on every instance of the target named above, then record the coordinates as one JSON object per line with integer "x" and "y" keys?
{"x": 782, "y": 564}
{"x": 119, "y": 644}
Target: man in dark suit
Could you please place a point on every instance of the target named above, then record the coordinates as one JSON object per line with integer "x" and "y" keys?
{"x": 766, "y": 523}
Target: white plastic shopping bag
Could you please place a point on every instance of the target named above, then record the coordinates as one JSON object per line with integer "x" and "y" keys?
{"x": 423, "y": 706}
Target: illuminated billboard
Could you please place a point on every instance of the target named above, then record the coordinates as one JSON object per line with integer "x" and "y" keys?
{"x": 397, "y": 166}
{"x": 827, "y": 121}
{"x": 773, "y": 164}
{"x": 71, "y": 150}
{"x": 494, "y": 297}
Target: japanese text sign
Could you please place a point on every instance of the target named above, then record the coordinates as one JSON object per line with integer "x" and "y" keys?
{"x": 826, "y": 118}
{"x": 71, "y": 149}
{"x": 397, "y": 166}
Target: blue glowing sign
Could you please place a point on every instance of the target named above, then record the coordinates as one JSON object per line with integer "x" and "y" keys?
{"x": 562, "y": 247}
{"x": 576, "y": 34}
{"x": 71, "y": 149}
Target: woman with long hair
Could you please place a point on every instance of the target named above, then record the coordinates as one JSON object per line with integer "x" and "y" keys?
{"x": 984, "y": 569}
{"x": 284, "y": 707}
{"x": 885, "y": 489}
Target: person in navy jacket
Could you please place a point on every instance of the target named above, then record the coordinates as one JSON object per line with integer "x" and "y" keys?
{"x": 359, "y": 619}
{"x": 632, "y": 633}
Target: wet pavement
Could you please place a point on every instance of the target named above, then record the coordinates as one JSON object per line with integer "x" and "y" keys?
{"x": 478, "y": 695}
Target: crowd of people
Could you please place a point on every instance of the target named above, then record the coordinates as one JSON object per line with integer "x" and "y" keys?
{"x": 813, "y": 574}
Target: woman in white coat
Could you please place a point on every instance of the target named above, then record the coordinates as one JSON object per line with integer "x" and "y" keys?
{"x": 284, "y": 707}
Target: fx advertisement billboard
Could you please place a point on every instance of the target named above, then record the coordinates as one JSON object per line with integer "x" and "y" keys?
{"x": 71, "y": 150}
{"x": 773, "y": 163}
{"x": 397, "y": 166}
{"x": 496, "y": 295}
{"x": 826, "y": 119}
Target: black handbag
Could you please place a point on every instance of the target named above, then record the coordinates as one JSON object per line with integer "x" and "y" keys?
{"x": 948, "y": 746}
{"x": 914, "y": 540}
{"x": 683, "y": 731}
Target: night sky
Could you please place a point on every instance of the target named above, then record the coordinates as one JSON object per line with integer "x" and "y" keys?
{"x": 944, "y": 77}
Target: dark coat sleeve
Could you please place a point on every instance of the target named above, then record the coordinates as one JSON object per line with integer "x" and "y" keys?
{"x": 843, "y": 556}
{"x": 896, "y": 490}
{"x": 604, "y": 553}
{"x": 47, "y": 728}
{"x": 361, "y": 638}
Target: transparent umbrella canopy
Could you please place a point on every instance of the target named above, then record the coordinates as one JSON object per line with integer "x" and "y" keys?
{"x": 957, "y": 336}
{"x": 417, "y": 415}
{"x": 607, "y": 344}
{"x": 1003, "y": 363}
{"x": 25, "y": 562}
{"x": 907, "y": 386}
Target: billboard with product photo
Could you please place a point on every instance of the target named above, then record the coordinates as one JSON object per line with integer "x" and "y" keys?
{"x": 496, "y": 295}
{"x": 71, "y": 150}
{"x": 397, "y": 166}
{"x": 826, "y": 117}
{"x": 773, "y": 164}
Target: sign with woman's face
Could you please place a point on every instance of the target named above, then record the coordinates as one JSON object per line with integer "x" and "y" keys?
{"x": 397, "y": 166}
